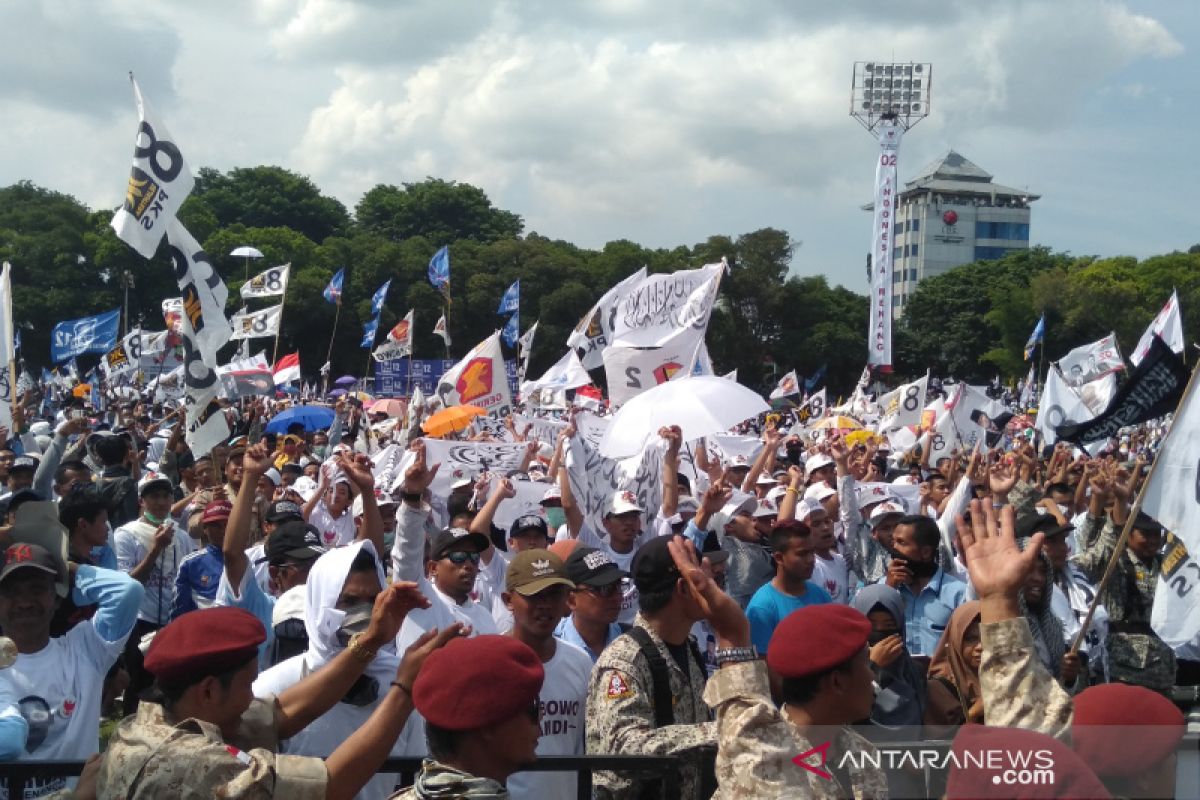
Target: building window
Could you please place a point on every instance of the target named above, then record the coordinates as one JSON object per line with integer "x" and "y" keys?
{"x": 991, "y": 253}
{"x": 897, "y": 229}
{"x": 1018, "y": 231}
{"x": 897, "y": 252}
{"x": 914, "y": 251}
{"x": 916, "y": 225}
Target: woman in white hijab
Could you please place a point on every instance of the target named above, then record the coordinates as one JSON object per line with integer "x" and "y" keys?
{"x": 341, "y": 590}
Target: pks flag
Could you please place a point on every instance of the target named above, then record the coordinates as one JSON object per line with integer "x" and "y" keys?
{"x": 441, "y": 330}
{"x": 287, "y": 369}
{"x": 158, "y": 184}
{"x": 813, "y": 408}
{"x": 378, "y": 299}
{"x": 439, "y": 272}
{"x": 269, "y": 283}
{"x": 249, "y": 325}
{"x": 370, "y": 328}
{"x": 96, "y": 334}
{"x": 511, "y": 301}
{"x": 525, "y": 347}
{"x": 788, "y": 385}
{"x": 333, "y": 292}
{"x": 480, "y": 379}
{"x": 1175, "y": 615}
{"x": 1037, "y": 337}
{"x": 1168, "y": 326}
{"x": 903, "y": 406}
{"x": 1171, "y": 496}
{"x": 125, "y": 357}
{"x": 203, "y": 294}
{"x": 512, "y": 330}
{"x": 402, "y": 333}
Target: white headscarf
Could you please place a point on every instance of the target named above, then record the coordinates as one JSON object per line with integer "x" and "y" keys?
{"x": 322, "y": 618}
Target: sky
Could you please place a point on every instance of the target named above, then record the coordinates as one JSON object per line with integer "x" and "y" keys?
{"x": 659, "y": 121}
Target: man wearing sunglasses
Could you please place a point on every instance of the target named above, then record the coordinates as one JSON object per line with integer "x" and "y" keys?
{"x": 595, "y": 602}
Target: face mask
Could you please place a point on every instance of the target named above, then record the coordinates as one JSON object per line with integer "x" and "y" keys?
{"x": 923, "y": 569}
{"x": 875, "y": 637}
{"x": 556, "y": 518}
{"x": 319, "y": 452}
{"x": 356, "y": 620}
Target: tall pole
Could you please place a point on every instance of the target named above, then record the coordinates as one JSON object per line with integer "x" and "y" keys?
{"x": 278, "y": 330}
{"x": 329, "y": 353}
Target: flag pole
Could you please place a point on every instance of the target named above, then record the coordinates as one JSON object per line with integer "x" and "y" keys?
{"x": 279, "y": 330}
{"x": 329, "y": 353}
{"x": 1128, "y": 527}
{"x": 412, "y": 345}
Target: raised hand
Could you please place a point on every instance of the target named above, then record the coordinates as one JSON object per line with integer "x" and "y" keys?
{"x": 358, "y": 469}
{"x": 418, "y": 477}
{"x": 674, "y": 439}
{"x": 391, "y": 607}
{"x": 721, "y": 610}
{"x": 1001, "y": 478}
{"x": 998, "y": 567}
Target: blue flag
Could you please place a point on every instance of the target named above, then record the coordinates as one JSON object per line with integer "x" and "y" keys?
{"x": 512, "y": 330}
{"x": 811, "y": 383}
{"x": 74, "y": 337}
{"x": 511, "y": 301}
{"x": 439, "y": 271}
{"x": 369, "y": 329}
{"x": 1036, "y": 338}
{"x": 333, "y": 292}
{"x": 378, "y": 298}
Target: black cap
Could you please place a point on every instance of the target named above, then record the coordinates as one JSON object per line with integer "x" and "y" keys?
{"x": 587, "y": 566}
{"x": 528, "y": 522}
{"x": 1046, "y": 523}
{"x": 653, "y": 568}
{"x": 447, "y": 539}
{"x": 283, "y": 510}
{"x": 28, "y": 556}
{"x": 294, "y": 539}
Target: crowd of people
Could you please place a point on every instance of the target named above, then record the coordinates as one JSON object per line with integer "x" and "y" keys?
{"x": 276, "y": 617}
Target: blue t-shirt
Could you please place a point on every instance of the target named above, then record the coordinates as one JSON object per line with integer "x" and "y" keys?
{"x": 769, "y": 606}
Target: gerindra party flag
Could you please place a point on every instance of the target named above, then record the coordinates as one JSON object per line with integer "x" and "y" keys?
{"x": 158, "y": 184}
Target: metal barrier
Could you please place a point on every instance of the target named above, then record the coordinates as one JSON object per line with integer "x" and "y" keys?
{"x": 661, "y": 769}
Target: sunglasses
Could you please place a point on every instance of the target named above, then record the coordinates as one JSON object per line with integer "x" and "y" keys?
{"x": 604, "y": 591}
{"x": 460, "y": 557}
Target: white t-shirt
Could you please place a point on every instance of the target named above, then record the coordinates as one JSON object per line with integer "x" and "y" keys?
{"x": 629, "y": 592}
{"x": 257, "y": 556}
{"x": 334, "y": 532}
{"x": 58, "y": 692}
{"x": 564, "y": 712}
{"x": 833, "y": 576}
{"x": 132, "y": 542}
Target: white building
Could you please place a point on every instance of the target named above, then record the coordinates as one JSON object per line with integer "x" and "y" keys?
{"x": 950, "y": 214}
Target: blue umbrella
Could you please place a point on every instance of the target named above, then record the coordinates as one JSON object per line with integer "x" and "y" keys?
{"x": 346, "y": 380}
{"x": 337, "y": 392}
{"x": 313, "y": 418}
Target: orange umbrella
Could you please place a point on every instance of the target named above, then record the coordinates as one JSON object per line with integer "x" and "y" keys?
{"x": 81, "y": 390}
{"x": 839, "y": 423}
{"x": 448, "y": 420}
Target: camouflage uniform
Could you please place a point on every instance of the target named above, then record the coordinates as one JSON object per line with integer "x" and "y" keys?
{"x": 757, "y": 745}
{"x": 439, "y": 780}
{"x": 1135, "y": 653}
{"x": 151, "y": 757}
{"x": 620, "y": 716}
{"x": 1018, "y": 690}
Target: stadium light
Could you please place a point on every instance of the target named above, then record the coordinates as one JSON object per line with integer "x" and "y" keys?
{"x": 881, "y": 90}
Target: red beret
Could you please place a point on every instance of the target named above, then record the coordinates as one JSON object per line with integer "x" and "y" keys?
{"x": 816, "y": 638}
{"x": 204, "y": 642}
{"x": 456, "y": 688}
{"x": 1103, "y": 734}
{"x": 990, "y": 762}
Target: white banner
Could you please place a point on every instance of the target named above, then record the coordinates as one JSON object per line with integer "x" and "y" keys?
{"x": 480, "y": 379}
{"x": 158, "y": 183}
{"x": 594, "y": 332}
{"x": 168, "y": 385}
{"x": 879, "y": 336}
{"x": 462, "y": 460}
{"x": 595, "y": 479}
{"x": 729, "y": 446}
{"x": 8, "y": 353}
{"x": 390, "y": 351}
{"x": 543, "y": 430}
{"x": 903, "y": 406}
{"x": 568, "y": 373}
{"x": 257, "y": 323}
{"x": 1058, "y": 406}
{"x": 1175, "y": 615}
{"x": 1090, "y": 361}
{"x": 632, "y": 370}
{"x": 1169, "y": 327}
{"x": 661, "y": 307}
{"x": 269, "y": 283}
{"x": 1097, "y": 394}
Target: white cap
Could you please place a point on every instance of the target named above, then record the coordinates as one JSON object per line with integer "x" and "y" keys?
{"x": 461, "y": 479}
{"x": 873, "y": 494}
{"x": 805, "y": 508}
{"x": 819, "y": 491}
{"x": 553, "y": 493}
{"x": 273, "y": 476}
{"x": 904, "y": 480}
{"x": 886, "y": 509}
{"x": 766, "y": 508}
{"x": 622, "y": 503}
{"x": 150, "y": 477}
{"x": 739, "y": 461}
{"x": 42, "y": 428}
{"x": 304, "y": 486}
{"x": 765, "y": 480}
{"x": 687, "y": 505}
{"x": 775, "y": 495}
{"x": 739, "y": 504}
{"x": 819, "y": 461}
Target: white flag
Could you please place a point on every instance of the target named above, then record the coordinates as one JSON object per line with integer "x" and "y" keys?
{"x": 1169, "y": 327}
{"x": 269, "y": 283}
{"x": 7, "y": 346}
{"x": 1059, "y": 405}
{"x": 158, "y": 183}
{"x": 1090, "y": 361}
{"x": 1098, "y": 393}
{"x": 788, "y": 385}
{"x": 390, "y": 351}
{"x": 441, "y": 330}
{"x": 632, "y": 370}
{"x": 1026, "y": 396}
{"x": 903, "y": 406}
{"x": 568, "y": 373}
{"x": 1173, "y": 495}
{"x": 204, "y": 294}
{"x": 731, "y": 376}
{"x": 524, "y": 348}
{"x": 125, "y": 358}
{"x": 480, "y": 379}
{"x": 703, "y": 365}
{"x": 402, "y": 332}
{"x": 813, "y": 409}
{"x": 660, "y": 307}
{"x": 1175, "y": 615}
{"x": 257, "y": 323}
{"x": 594, "y": 332}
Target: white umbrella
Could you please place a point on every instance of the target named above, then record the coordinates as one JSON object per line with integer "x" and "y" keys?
{"x": 246, "y": 251}
{"x": 700, "y": 405}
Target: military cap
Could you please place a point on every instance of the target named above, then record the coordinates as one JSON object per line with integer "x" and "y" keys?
{"x": 453, "y": 692}
{"x": 204, "y": 642}
{"x": 813, "y": 639}
{"x": 1102, "y": 732}
{"x": 531, "y": 571}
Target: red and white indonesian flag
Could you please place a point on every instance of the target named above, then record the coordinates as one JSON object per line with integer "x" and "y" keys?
{"x": 287, "y": 369}
{"x": 158, "y": 184}
{"x": 879, "y": 337}
{"x": 1168, "y": 325}
{"x": 788, "y": 385}
{"x": 479, "y": 380}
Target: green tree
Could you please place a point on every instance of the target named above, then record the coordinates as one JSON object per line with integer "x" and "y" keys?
{"x": 440, "y": 211}
{"x": 267, "y": 197}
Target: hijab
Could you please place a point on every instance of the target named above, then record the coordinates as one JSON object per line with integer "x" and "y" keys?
{"x": 901, "y": 698}
{"x": 950, "y": 661}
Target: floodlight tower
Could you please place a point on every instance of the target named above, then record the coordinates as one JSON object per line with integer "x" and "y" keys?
{"x": 887, "y": 99}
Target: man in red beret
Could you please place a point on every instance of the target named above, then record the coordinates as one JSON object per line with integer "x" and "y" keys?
{"x": 477, "y": 738}
{"x": 799, "y": 750}
{"x": 207, "y": 736}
